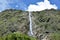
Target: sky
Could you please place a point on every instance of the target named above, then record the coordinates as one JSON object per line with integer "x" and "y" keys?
{"x": 30, "y": 5}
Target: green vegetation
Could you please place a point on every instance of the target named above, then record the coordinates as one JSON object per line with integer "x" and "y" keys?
{"x": 16, "y": 36}
{"x": 12, "y": 21}
{"x": 44, "y": 23}
{"x": 55, "y": 36}
{"x": 47, "y": 20}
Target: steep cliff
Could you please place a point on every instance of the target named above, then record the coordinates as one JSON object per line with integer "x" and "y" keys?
{"x": 44, "y": 23}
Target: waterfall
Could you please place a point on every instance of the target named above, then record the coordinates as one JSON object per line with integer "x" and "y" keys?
{"x": 30, "y": 26}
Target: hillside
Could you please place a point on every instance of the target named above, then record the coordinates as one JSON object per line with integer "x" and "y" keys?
{"x": 45, "y": 23}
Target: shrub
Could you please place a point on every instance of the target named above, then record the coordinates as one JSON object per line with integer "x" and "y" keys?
{"x": 17, "y": 36}
{"x": 55, "y": 36}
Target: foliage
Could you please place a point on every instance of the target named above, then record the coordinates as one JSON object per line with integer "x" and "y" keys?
{"x": 55, "y": 36}
{"x": 17, "y": 36}
{"x": 46, "y": 21}
{"x": 13, "y": 21}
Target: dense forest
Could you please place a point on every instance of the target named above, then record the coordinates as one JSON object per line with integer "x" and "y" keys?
{"x": 14, "y": 25}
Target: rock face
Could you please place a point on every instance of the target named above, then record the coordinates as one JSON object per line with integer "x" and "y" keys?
{"x": 43, "y": 22}
{"x": 13, "y": 21}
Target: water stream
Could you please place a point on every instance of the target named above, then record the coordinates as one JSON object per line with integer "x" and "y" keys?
{"x": 30, "y": 26}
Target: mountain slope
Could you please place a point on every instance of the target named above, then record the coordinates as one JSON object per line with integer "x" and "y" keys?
{"x": 44, "y": 22}
{"x": 13, "y": 21}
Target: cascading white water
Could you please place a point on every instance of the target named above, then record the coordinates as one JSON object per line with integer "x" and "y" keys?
{"x": 30, "y": 26}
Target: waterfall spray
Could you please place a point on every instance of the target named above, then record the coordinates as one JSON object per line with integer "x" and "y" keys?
{"x": 30, "y": 26}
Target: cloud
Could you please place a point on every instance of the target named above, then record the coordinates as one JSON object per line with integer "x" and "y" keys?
{"x": 41, "y": 6}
